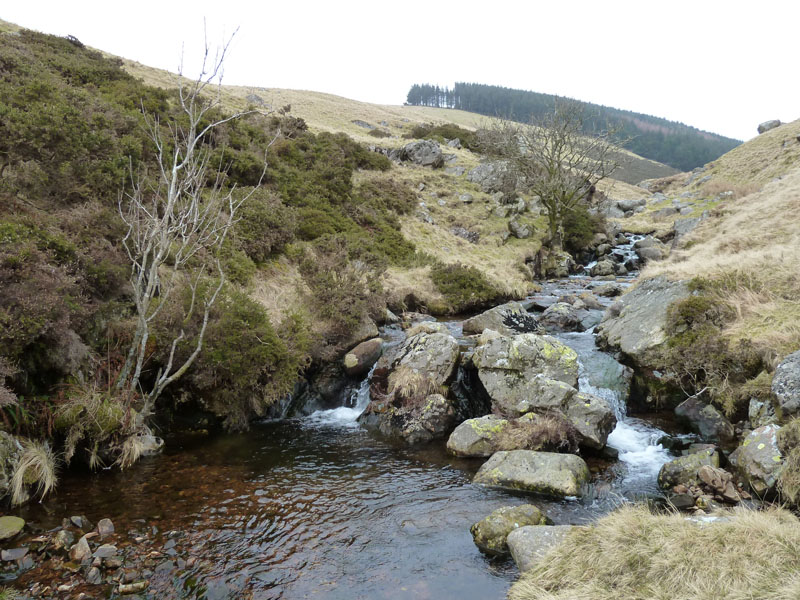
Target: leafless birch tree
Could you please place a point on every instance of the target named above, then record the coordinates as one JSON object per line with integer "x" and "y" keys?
{"x": 554, "y": 159}
{"x": 176, "y": 224}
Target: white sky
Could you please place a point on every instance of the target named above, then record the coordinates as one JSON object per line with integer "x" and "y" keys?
{"x": 721, "y": 66}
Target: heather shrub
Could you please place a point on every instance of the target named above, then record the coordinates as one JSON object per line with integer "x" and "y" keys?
{"x": 464, "y": 288}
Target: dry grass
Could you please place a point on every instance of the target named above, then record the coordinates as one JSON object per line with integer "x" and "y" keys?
{"x": 751, "y": 250}
{"x": 539, "y": 432}
{"x": 635, "y": 555}
{"x": 36, "y": 467}
{"x": 280, "y": 289}
{"x": 410, "y": 384}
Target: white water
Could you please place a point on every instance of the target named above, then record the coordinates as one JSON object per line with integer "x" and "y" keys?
{"x": 345, "y": 416}
{"x": 636, "y": 441}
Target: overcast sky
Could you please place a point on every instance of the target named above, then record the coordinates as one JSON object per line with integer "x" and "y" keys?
{"x": 721, "y": 66}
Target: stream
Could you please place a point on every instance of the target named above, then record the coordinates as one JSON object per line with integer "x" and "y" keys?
{"x": 315, "y": 507}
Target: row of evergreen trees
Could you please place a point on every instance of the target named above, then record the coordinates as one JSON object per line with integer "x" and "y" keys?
{"x": 668, "y": 142}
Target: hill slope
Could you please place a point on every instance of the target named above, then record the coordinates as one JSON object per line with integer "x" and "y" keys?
{"x": 674, "y": 144}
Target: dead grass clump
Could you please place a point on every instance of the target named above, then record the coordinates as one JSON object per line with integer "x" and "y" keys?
{"x": 636, "y": 555}
{"x": 717, "y": 187}
{"x": 412, "y": 385}
{"x": 36, "y": 468}
{"x": 550, "y": 432}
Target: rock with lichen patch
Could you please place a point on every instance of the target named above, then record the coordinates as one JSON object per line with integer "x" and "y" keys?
{"x": 490, "y": 533}
{"x": 758, "y": 460}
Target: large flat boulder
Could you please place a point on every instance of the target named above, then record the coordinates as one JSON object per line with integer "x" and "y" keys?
{"x": 526, "y": 356}
{"x": 636, "y": 324}
{"x": 490, "y": 533}
{"x": 528, "y": 545}
{"x": 544, "y": 473}
{"x": 507, "y": 319}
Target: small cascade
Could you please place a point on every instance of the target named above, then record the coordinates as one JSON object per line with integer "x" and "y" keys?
{"x": 345, "y": 416}
{"x": 635, "y": 440}
{"x": 623, "y": 253}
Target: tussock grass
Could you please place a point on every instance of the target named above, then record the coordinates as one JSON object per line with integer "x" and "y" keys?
{"x": 635, "y": 555}
{"x": 411, "y": 384}
{"x": 551, "y": 432}
{"x": 750, "y": 252}
{"x": 36, "y": 467}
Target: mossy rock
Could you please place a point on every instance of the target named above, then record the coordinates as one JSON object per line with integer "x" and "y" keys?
{"x": 10, "y": 526}
{"x": 490, "y": 534}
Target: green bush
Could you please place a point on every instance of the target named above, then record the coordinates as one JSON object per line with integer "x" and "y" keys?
{"x": 443, "y": 132}
{"x": 464, "y": 288}
{"x": 580, "y": 227}
{"x": 265, "y": 226}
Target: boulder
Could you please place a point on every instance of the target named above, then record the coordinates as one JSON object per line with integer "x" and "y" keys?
{"x": 545, "y": 473}
{"x": 425, "y": 153}
{"x": 650, "y": 248}
{"x": 786, "y": 386}
{"x": 636, "y": 323}
{"x": 407, "y": 403}
{"x": 683, "y": 470}
{"x": 761, "y": 412}
{"x": 767, "y": 125}
{"x": 758, "y": 460}
{"x": 491, "y": 176}
{"x": 519, "y": 230}
{"x": 361, "y": 358}
{"x": 454, "y": 143}
{"x": 608, "y": 290}
{"x": 683, "y": 227}
{"x": 505, "y": 363}
{"x": 528, "y": 545}
{"x": 592, "y": 417}
{"x": 490, "y": 533}
{"x": 602, "y": 268}
{"x": 631, "y": 204}
{"x": 705, "y": 420}
{"x": 507, "y": 319}
{"x": 570, "y": 317}
{"x": 477, "y": 437}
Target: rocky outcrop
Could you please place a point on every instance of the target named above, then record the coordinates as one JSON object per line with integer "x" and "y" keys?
{"x": 683, "y": 470}
{"x": 492, "y": 176}
{"x": 361, "y": 358}
{"x": 705, "y": 420}
{"x": 490, "y": 533}
{"x": 544, "y": 473}
{"x": 507, "y": 319}
{"x": 425, "y": 153}
{"x": 636, "y": 323}
{"x": 786, "y": 386}
{"x": 519, "y": 229}
{"x": 759, "y": 460}
{"x": 407, "y": 387}
{"x": 528, "y": 545}
{"x": 767, "y": 125}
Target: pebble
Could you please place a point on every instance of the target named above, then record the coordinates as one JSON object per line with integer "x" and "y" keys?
{"x": 105, "y": 528}
{"x": 13, "y": 554}
{"x": 80, "y": 551}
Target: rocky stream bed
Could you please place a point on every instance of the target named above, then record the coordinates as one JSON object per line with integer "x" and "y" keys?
{"x": 315, "y": 506}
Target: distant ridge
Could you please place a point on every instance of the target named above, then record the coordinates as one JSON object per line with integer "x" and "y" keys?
{"x": 674, "y": 144}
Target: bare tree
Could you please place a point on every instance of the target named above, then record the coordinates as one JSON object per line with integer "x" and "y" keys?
{"x": 176, "y": 224}
{"x": 554, "y": 159}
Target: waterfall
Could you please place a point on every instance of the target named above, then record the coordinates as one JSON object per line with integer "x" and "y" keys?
{"x": 345, "y": 416}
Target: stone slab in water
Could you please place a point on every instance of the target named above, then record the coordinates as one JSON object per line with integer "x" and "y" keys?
{"x": 10, "y": 526}
{"x": 545, "y": 473}
{"x": 529, "y": 544}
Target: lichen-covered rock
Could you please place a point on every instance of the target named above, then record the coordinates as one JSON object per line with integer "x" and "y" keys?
{"x": 761, "y": 412}
{"x": 476, "y": 437}
{"x": 490, "y": 533}
{"x": 759, "y": 460}
{"x": 361, "y": 358}
{"x": 544, "y": 473}
{"x": 705, "y": 420}
{"x": 514, "y": 395}
{"x": 592, "y": 417}
{"x": 602, "y": 268}
{"x": 425, "y": 153}
{"x": 636, "y": 323}
{"x": 569, "y": 317}
{"x": 527, "y": 355}
{"x": 507, "y": 319}
{"x": 528, "y": 545}
{"x": 491, "y": 176}
{"x": 786, "y": 386}
{"x": 683, "y": 470}
{"x": 406, "y": 389}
